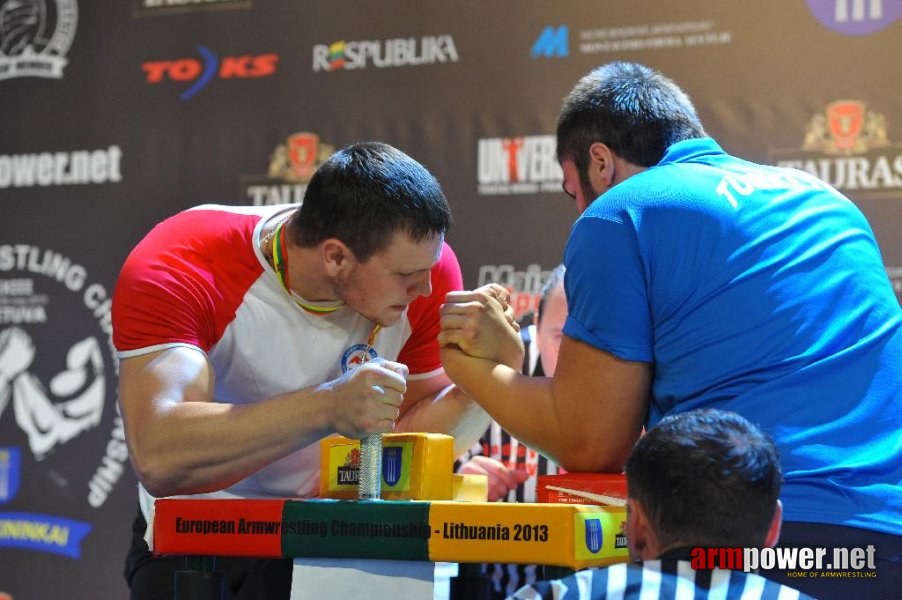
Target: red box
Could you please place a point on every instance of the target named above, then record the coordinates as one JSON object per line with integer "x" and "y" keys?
{"x": 604, "y": 489}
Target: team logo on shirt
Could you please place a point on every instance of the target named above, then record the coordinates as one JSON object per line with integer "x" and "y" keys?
{"x": 356, "y": 355}
{"x": 291, "y": 166}
{"x": 847, "y": 145}
{"x": 594, "y": 535}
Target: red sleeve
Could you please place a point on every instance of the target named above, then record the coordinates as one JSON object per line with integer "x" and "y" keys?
{"x": 185, "y": 280}
{"x": 421, "y": 352}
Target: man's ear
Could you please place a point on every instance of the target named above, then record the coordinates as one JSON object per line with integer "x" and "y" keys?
{"x": 773, "y": 532}
{"x": 640, "y": 537}
{"x": 337, "y": 257}
{"x": 601, "y": 166}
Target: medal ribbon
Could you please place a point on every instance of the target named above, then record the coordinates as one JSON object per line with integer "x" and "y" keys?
{"x": 280, "y": 262}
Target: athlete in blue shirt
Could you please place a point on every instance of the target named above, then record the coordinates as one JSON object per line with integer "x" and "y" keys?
{"x": 697, "y": 279}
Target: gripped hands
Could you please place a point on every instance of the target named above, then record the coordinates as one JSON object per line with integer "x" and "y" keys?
{"x": 480, "y": 323}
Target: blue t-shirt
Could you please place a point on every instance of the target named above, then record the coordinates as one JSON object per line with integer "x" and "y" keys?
{"x": 759, "y": 290}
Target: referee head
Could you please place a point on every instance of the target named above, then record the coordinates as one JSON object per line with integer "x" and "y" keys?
{"x": 704, "y": 478}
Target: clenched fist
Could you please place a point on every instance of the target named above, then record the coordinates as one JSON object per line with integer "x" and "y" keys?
{"x": 367, "y": 399}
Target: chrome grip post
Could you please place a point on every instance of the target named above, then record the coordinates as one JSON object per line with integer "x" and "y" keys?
{"x": 370, "y": 474}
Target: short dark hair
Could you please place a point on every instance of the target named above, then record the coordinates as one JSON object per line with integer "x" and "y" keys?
{"x": 365, "y": 193}
{"x": 706, "y": 478}
{"x": 634, "y": 110}
{"x": 556, "y": 277}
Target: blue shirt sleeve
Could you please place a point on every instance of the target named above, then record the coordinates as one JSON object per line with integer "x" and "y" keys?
{"x": 607, "y": 294}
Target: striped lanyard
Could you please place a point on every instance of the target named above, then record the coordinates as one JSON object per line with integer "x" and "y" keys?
{"x": 280, "y": 262}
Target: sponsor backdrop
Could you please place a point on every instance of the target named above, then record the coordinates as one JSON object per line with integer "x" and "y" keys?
{"x": 114, "y": 115}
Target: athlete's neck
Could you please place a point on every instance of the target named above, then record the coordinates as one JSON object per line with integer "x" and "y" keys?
{"x": 299, "y": 269}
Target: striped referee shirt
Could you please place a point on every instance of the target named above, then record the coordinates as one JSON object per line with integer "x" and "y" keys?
{"x": 658, "y": 579}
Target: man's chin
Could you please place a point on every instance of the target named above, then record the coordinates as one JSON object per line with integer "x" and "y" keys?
{"x": 388, "y": 317}
{"x": 392, "y": 315}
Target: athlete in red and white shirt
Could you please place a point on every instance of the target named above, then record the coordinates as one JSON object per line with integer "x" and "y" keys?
{"x": 199, "y": 284}
{"x": 237, "y": 326}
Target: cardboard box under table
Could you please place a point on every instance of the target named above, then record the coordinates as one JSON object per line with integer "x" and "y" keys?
{"x": 565, "y": 535}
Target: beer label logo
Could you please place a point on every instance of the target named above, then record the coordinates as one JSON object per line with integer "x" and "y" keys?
{"x": 594, "y": 535}
{"x": 392, "y": 465}
{"x": 349, "y": 472}
{"x": 35, "y": 36}
{"x": 848, "y": 146}
{"x": 291, "y": 166}
{"x": 396, "y": 458}
{"x": 845, "y": 127}
{"x": 856, "y": 17}
{"x": 620, "y": 538}
{"x": 299, "y": 157}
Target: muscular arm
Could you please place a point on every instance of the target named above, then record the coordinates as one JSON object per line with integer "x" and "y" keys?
{"x": 586, "y": 418}
{"x": 181, "y": 441}
{"x": 435, "y": 405}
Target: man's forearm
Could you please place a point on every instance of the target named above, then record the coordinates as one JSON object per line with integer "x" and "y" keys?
{"x": 522, "y": 405}
{"x": 449, "y": 411}
{"x": 202, "y": 446}
{"x": 581, "y": 421}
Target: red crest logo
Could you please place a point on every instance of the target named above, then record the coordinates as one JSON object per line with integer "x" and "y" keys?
{"x": 302, "y": 153}
{"x": 845, "y": 119}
